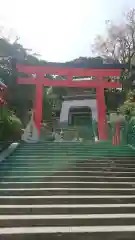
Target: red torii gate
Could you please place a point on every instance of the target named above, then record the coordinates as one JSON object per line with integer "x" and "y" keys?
{"x": 37, "y": 77}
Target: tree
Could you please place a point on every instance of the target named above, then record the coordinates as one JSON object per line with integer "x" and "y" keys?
{"x": 20, "y": 98}
{"x": 119, "y": 44}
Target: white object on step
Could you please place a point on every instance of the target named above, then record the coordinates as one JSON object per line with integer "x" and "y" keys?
{"x": 62, "y": 134}
{"x": 58, "y": 138}
{"x": 96, "y": 139}
{"x": 30, "y": 134}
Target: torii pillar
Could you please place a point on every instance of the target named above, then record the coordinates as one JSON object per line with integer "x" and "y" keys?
{"x": 38, "y": 105}
{"x": 101, "y": 110}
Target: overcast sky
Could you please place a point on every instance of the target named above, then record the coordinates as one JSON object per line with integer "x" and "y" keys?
{"x": 60, "y": 30}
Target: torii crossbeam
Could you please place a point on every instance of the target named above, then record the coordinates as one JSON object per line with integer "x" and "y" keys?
{"x": 37, "y": 75}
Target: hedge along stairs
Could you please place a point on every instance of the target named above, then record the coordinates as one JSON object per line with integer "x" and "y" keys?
{"x": 68, "y": 190}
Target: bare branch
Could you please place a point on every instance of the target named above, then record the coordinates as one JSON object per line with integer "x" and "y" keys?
{"x": 120, "y": 41}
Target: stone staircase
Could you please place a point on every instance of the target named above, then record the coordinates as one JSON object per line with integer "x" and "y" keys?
{"x": 68, "y": 191}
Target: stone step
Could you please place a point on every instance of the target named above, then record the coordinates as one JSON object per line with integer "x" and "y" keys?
{"x": 75, "y": 151}
{"x": 91, "y": 157}
{"x": 74, "y": 166}
{"x": 115, "y": 232}
{"x": 45, "y": 163}
{"x": 72, "y": 148}
{"x": 67, "y": 199}
{"x": 49, "y": 169}
{"x": 107, "y": 168}
{"x": 70, "y": 171}
{"x": 43, "y": 174}
{"x": 70, "y": 144}
{"x": 65, "y": 191}
{"x": 66, "y": 220}
{"x": 66, "y": 149}
{"x": 96, "y": 178}
{"x": 67, "y": 209}
{"x": 78, "y": 148}
{"x": 74, "y": 184}
{"x": 84, "y": 159}
{"x": 80, "y": 156}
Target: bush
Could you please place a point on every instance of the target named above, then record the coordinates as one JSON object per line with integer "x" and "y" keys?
{"x": 10, "y": 125}
{"x": 128, "y": 108}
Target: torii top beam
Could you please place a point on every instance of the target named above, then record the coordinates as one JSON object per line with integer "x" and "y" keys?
{"x": 69, "y": 70}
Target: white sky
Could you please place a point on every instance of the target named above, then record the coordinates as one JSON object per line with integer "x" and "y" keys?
{"x": 60, "y": 30}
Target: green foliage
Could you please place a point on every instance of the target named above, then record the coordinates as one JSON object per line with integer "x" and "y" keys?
{"x": 132, "y": 121}
{"x": 129, "y": 131}
{"x": 19, "y": 97}
{"x": 15, "y": 123}
{"x": 123, "y": 76}
{"x": 113, "y": 99}
{"x": 10, "y": 125}
{"x": 128, "y": 108}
